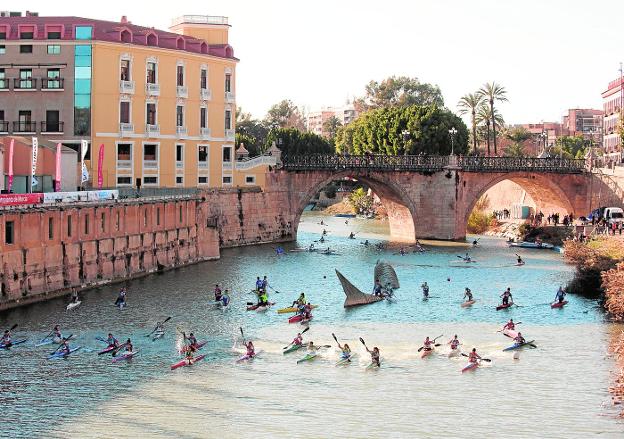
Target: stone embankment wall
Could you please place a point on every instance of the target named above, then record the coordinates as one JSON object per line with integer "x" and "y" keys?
{"x": 53, "y": 249}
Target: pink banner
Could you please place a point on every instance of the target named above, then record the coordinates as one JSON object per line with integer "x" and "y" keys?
{"x": 100, "y": 164}
{"x": 17, "y": 199}
{"x": 10, "y": 185}
{"x": 57, "y": 175}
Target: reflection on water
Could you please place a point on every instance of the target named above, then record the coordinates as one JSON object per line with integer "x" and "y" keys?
{"x": 555, "y": 391}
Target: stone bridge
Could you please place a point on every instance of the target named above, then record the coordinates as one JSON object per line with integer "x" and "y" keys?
{"x": 432, "y": 196}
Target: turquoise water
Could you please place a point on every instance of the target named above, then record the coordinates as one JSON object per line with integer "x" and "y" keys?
{"x": 44, "y": 396}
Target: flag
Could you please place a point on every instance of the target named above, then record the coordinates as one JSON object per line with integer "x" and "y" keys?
{"x": 57, "y": 176}
{"x": 100, "y": 164}
{"x": 83, "y": 152}
{"x": 35, "y": 151}
{"x": 11, "y": 164}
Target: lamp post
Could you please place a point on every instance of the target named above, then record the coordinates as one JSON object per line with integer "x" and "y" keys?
{"x": 544, "y": 137}
{"x": 452, "y": 133}
{"x": 406, "y": 136}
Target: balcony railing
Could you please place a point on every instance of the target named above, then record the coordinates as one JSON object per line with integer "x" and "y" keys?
{"x": 152, "y": 130}
{"x": 205, "y": 94}
{"x": 4, "y": 126}
{"x": 4, "y": 84}
{"x": 52, "y": 84}
{"x": 230, "y": 134}
{"x": 52, "y": 127}
{"x": 152, "y": 89}
{"x": 150, "y": 164}
{"x": 123, "y": 162}
{"x": 126, "y": 87}
{"x": 205, "y": 133}
{"x": 202, "y": 164}
{"x": 199, "y": 19}
{"x": 230, "y": 97}
{"x": 126, "y": 128}
{"x": 529, "y": 164}
{"x": 179, "y": 165}
{"x": 182, "y": 91}
{"x": 181, "y": 131}
{"x": 25, "y": 84}
{"x": 24, "y": 127}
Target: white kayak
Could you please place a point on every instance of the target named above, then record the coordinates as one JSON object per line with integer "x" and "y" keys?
{"x": 73, "y": 305}
{"x": 454, "y": 353}
{"x": 526, "y": 244}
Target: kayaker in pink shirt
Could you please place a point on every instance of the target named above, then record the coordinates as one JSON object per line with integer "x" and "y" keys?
{"x": 454, "y": 342}
{"x": 510, "y": 325}
{"x": 250, "y": 349}
{"x": 473, "y": 357}
{"x": 519, "y": 338}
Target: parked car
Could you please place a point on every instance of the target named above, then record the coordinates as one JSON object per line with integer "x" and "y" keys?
{"x": 613, "y": 215}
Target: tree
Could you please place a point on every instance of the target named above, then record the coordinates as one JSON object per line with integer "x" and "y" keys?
{"x": 401, "y": 91}
{"x": 251, "y": 132}
{"x": 292, "y": 141}
{"x": 331, "y": 126}
{"x": 484, "y": 118}
{"x": 570, "y": 147}
{"x": 493, "y": 92}
{"x": 285, "y": 114}
{"x": 381, "y": 131}
{"x": 518, "y": 134}
{"x": 470, "y": 103}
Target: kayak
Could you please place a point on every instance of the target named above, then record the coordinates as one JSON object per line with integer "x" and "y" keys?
{"x": 157, "y": 335}
{"x": 126, "y": 356}
{"x": 426, "y": 353}
{"x": 183, "y": 363}
{"x": 510, "y": 333}
{"x": 256, "y": 307}
{"x": 60, "y": 354}
{"x": 559, "y": 304}
{"x": 292, "y": 309}
{"x": 468, "y": 303}
{"x": 526, "y": 244}
{"x": 73, "y": 305}
{"x": 198, "y": 346}
{"x": 107, "y": 350}
{"x": 292, "y": 348}
{"x": 308, "y": 357}
{"x": 501, "y": 306}
{"x": 248, "y": 357}
{"x": 120, "y": 305}
{"x": 345, "y": 361}
{"x": 520, "y": 345}
{"x": 305, "y": 321}
{"x": 49, "y": 341}
{"x": 454, "y": 353}
{"x": 470, "y": 366}
{"x": 295, "y": 319}
{"x": 372, "y": 366}
{"x": 13, "y": 343}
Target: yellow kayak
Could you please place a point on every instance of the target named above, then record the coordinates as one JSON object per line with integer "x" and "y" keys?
{"x": 291, "y": 309}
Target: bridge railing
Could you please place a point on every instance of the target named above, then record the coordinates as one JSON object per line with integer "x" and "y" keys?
{"x": 432, "y": 163}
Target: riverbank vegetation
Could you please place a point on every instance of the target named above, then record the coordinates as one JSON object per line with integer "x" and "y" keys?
{"x": 480, "y": 220}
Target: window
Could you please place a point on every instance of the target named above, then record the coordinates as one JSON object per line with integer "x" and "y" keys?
{"x": 124, "y": 151}
{"x": 250, "y": 179}
{"x": 54, "y": 35}
{"x": 69, "y": 226}
{"x": 52, "y": 123}
{"x": 122, "y": 181}
{"x": 158, "y": 216}
{"x": 203, "y": 79}
{"x": 125, "y": 70}
{"x": 180, "y": 76}
{"x": 2, "y": 49}
{"x": 228, "y": 82}
{"x": 179, "y": 152}
{"x": 54, "y": 79}
{"x": 150, "y": 151}
{"x": 25, "y": 78}
{"x": 151, "y": 73}
{"x": 179, "y": 180}
{"x": 202, "y": 180}
{"x": 26, "y": 48}
{"x": 25, "y": 121}
{"x": 9, "y": 231}
{"x": 54, "y": 49}
{"x": 2, "y": 35}
{"x": 83, "y": 32}
{"x": 82, "y": 90}
{"x": 227, "y": 179}
{"x": 124, "y": 112}
{"x": 227, "y": 154}
{"x": 203, "y": 117}
{"x": 150, "y": 180}
{"x": 26, "y": 35}
{"x": 202, "y": 155}
{"x": 86, "y": 224}
{"x": 180, "y": 116}
{"x": 228, "y": 119}
{"x": 4, "y": 83}
{"x": 50, "y": 228}
{"x": 103, "y": 222}
{"x": 151, "y": 114}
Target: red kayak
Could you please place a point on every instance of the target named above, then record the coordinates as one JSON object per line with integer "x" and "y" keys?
{"x": 499, "y": 307}
{"x": 510, "y": 333}
{"x": 186, "y": 363}
{"x": 298, "y": 318}
{"x": 198, "y": 346}
{"x": 256, "y": 306}
{"x": 559, "y": 304}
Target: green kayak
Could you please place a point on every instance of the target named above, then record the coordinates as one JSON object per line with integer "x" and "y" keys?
{"x": 292, "y": 348}
{"x": 308, "y": 357}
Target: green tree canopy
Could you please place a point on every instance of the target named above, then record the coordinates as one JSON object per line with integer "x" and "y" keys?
{"x": 293, "y": 141}
{"x": 381, "y": 132}
{"x": 284, "y": 114}
{"x": 331, "y": 126}
{"x": 251, "y": 132}
{"x": 518, "y": 134}
{"x": 401, "y": 91}
{"x": 571, "y": 147}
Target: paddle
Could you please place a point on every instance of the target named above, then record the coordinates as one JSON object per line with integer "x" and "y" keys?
{"x": 241, "y": 331}
{"x": 302, "y": 332}
{"x": 118, "y": 348}
{"x": 435, "y": 345}
{"x": 61, "y": 345}
{"x": 47, "y": 336}
{"x": 487, "y": 360}
{"x": 278, "y": 292}
{"x": 155, "y": 328}
{"x": 362, "y": 340}
{"x": 13, "y": 327}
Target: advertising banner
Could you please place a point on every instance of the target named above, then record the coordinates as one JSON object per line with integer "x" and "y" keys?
{"x": 18, "y": 199}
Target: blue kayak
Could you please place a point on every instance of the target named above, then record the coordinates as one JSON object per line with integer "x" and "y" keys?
{"x": 16, "y": 342}
{"x": 520, "y": 345}
{"x": 60, "y": 354}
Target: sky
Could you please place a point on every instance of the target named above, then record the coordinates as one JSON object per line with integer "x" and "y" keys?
{"x": 550, "y": 55}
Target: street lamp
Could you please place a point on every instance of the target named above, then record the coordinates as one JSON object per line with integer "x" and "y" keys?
{"x": 544, "y": 137}
{"x": 406, "y": 136}
{"x": 452, "y": 133}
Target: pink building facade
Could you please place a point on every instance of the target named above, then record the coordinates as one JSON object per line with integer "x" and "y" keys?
{"x": 612, "y": 101}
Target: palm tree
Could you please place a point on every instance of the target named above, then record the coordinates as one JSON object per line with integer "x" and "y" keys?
{"x": 483, "y": 118}
{"x": 471, "y": 103}
{"x": 493, "y": 92}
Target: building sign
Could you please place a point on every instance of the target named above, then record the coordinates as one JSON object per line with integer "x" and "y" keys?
{"x": 18, "y": 199}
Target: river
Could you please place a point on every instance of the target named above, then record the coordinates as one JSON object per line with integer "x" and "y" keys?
{"x": 557, "y": 390}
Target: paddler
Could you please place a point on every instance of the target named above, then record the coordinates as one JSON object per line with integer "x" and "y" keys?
{"x": 192, "y": 340}
{"x": 188, "y": 354}
{"x": 374, "y": 356}
{"x": 307, "y": 312}
{"x": 428, "y": 344}
{"x": 251, "y": 352}
{"x": 402, "y": 251}
{"x": 298, "y": 340}
{"x": 322, "y": 239}
{"x": 467, "y": 258}
{"x": 324, "y": 232}
{"x": 311, "y": 248}
{"x": 56, "y": 334}
{"x": 112, "y": 341}
{"x": 300, "y": 301}
{"x": 425, "y": 290}
{"x": 454, "y": 342}
{"x": 378, "y": 289}
{"x": 560, "y": 296}
{"x": 473, "y": 357}
{"x": 265, "y": 284}
{"x": 6, "y": 338}
{"x": 506, "y": 296}
{"x": 519, "y": 339}
{"x": 366, "y": 242}
{"x": 310, "y": 346}
{"x": 121, "y": 299}
{"x": 468, "y": 295}
{"x": 129, "y": 346}
{"x": 64, "y": 348}
{"x": 258, "y": 285}
{"x": 225, "y": 298}
{"x": 74, "y": 296}
{"x": 263, "y": 299}
{"x": 475, "y": 242}
{"x": 160, "y": 327}
{"x": 510, "y": 325}
{"x": 351, "y": 235}
{"x": 346, "y": 352}
{"x": 217, "y": 293}
{"x": 519, "y": 261}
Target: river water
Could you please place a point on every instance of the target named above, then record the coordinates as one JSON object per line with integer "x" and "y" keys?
{"x": 557, "y": 390}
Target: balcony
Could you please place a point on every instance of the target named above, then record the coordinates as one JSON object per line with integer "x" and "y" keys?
{"x": 52, "y": 127}
{"x": 126, "y": 87}
{"x": 126, "y": 128}
{"x": 150, "y": 163}
{"x": 181, "y": 131}
{"x": 230, "y": 97}
{"x": 230, "y": 134}
{"x": 203, "y": 164}
{"x": 25, "y": 127}
{"x": 28, "y": 84}
{"x": 179, "y": 165}
{"x": 152, "y": 89}
{"x": 205, "y": 133}
{"x": 4, "y": 84}
{"x": 52, "y": 84}
{"x": 4, "y": 126}
{"x": 182, "y": 91}
{"x": 152, "y": 130}
{"x": 205, "y": 94}
{"x": 124, "y": 161}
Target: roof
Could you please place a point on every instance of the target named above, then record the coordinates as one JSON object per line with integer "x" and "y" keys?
{"x": 111, "y": 31}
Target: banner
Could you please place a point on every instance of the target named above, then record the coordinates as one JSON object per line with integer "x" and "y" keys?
{"x": 70, "y": 197}
{"x": 100, "y": 164}
{"x": 57, "y": 175}
{"x": 10, "y": 185}
{"x": 17, "y": 199}
{"x": 83, "y": 152}
{"x": 35, "y": 151}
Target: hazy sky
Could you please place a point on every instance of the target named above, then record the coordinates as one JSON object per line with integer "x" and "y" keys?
{"x": 549, "y": 54}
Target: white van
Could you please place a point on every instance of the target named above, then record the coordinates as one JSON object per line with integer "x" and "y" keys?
{"x": 613, "y": 215}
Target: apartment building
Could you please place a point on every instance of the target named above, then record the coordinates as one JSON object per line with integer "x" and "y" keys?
{"x": 612, "y": 101}
{"x": 316, "y": 119}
